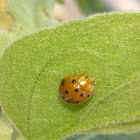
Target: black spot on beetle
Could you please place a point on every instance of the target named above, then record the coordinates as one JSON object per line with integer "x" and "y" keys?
{"x": 77, "y": 102}
{"x": 63, "y": 97}
{"x": 76, "y": 90}
{"x": 66, "y": 92}
{"x": 82, "y": 94}
{"x": 73, "y": 81}
{"x": 88, "y": 95}
{"x": 62, "y": 82}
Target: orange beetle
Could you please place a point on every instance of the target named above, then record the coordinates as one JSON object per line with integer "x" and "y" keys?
{"x": 77, "y": 88}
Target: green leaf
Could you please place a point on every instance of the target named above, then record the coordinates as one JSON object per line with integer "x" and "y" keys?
{"x": 31, "y": 68}
{"x": 18, "y": 18}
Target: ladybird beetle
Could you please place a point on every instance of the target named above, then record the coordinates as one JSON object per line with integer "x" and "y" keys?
{"x": 77, "y": 88}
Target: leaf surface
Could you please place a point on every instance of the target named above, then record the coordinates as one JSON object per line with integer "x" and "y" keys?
{"x": 31, "y": 68}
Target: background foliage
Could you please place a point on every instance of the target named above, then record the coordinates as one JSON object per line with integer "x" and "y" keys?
{"x": 20, "y": 17}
